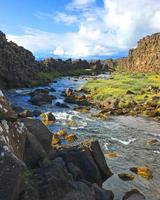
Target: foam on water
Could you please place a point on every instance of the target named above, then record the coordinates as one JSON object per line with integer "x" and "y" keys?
{"x": 123, "y": 141}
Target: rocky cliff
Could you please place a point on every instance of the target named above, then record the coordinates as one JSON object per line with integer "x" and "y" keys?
{"x": 17, "y": 65}
{"x": 144, "y": 58}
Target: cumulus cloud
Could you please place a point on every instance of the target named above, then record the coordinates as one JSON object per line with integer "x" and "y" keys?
{"x": 107, "y": 30}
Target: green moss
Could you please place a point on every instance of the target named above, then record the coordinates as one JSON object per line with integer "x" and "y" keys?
{"x": 26, "y": 174}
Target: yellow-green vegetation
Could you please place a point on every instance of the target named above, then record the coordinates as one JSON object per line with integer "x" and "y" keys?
{"x": 118, "y": 85}
{"x": 48, "y": 76}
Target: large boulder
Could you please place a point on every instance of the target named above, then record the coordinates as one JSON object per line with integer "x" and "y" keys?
{"x": 41, "y": 99}
{"x": 40, "y": 131}
{"x": 90, "y": 161}
{"x": 58, "y": 184}
{"x": 38, "y": 143}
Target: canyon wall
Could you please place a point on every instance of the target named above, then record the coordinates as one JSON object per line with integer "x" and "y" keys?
{"x": 145, "y": 57}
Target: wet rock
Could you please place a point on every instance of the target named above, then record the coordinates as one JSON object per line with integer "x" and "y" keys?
{"x": 152, "y": 141}
{"x": 61, "y": 136}
{"x": 25, "y": 113}
{"x": 52, "y": 90}
{"x": 58, "y": 183}
{"x": 41, "y": 99}
{"x": 133, "y": 195}
{"x": 89, "y": 158}
{"x": 62, "y": 105}
{"x": 68, "y": 92}
{"x": 48, "y": 117}
{"x": 142, "y": 171}
{"x": 83, "y": 109}
{"x": 102, "y": 194}
{"x": 102, "y": 115}
{"x": 55, "y": 140}
{"x": 38, "y": 142}
{"x": 70, "y": 138}
{"x": 40, "y": 131}
{"x": 126, "y": 176}
{"x": 111, "y": 154}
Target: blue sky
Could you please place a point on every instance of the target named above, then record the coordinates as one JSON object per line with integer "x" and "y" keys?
{"x": 79, "y": 28}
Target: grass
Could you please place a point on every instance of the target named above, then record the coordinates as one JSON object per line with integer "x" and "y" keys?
{"x": 120, "y": 83}
{"x": 47, "y": 77}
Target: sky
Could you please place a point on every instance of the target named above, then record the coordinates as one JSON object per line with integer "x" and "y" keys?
{"x": 89, "y": 29}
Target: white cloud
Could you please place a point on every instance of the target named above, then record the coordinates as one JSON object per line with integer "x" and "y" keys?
{"x": 106, "y": 30}
{"x": 58, "y": 51}
{"x": 67, "y": 19}
{"x": 79, "y": 3}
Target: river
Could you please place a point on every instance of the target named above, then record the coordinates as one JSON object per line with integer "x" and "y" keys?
{"x": 126, "y": 135}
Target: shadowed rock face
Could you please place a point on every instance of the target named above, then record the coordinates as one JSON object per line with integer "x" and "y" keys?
{"x": 17, "y": 65}
{"x": 32, "y": 170}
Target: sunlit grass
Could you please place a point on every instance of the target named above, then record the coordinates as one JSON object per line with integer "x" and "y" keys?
{"x": 119, "y": 84}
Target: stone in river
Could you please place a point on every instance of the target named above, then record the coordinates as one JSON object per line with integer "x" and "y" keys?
{"x": 133, "y": 195}
{"x": 142, "y": 171}
{"x": 126, "y": 176}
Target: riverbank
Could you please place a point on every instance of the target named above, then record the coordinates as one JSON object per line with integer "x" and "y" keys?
{"x": 127, "y": 93}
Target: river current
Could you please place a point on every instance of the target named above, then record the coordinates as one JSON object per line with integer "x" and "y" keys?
{"x": 126, "y": 135}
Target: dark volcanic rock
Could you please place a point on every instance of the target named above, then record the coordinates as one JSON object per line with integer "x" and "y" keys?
{"x": 89, "y": 158}
{"x": 62, "y": 105}
{"x": 41, "y": 99}
{"x": 17, "y": 65}
{"x": 133, "y": 195}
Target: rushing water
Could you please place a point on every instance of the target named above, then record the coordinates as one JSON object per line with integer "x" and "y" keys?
{"x": 125, "y": 135}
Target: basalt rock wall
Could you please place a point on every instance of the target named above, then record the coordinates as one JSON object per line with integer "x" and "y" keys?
{"x": 144, "y": 58}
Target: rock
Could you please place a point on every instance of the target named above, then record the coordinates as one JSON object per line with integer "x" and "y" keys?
{"x": 52, "y": 90}
{"x": 62, "y": 105}
{"x": 55, "y": 140}
{"x": 111, "y": 154}
{"x": 126, "y": 176}
{"x": 40, "y": 131}
{"x": 41, "y": 99}
{"x": 57, "y": 183}
{"x": 25, "y": 113}
{"x": 152, "y": 141}
{"x": 101, "y": 115}
{"x": 48, "y": 116}
{"x": 144, "y": 58}
{"x": 142, "y": 171}
{"x": 102, "y": 194}
{"x": 133, "y": 195}
{"x": 70, "y": 138}
{"x": 39, "y": 92}
{"x": 83, "y": 109}
{"x": 6, "y": 112}
{"x": 89, "y": 158}
{"x": 129, "y": 92}
{"x": 62, "y": 133}
{"x": 68, "y": 92}
{"x": 18, "y": 67}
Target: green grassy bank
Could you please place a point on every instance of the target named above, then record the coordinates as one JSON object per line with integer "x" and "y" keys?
{"x": 139, "y": 92}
